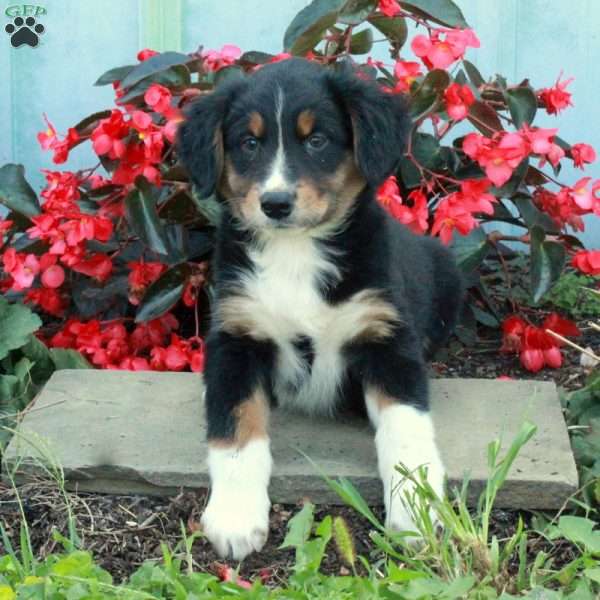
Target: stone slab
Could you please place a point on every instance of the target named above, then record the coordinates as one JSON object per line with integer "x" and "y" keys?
{"x": 144, "y": 432}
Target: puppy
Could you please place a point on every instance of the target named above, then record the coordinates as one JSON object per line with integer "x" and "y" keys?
{"x": 322, "y": 300}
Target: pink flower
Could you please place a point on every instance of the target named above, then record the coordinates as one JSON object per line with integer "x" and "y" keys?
{"x": 443, "y": 46}
{"x": 48, "y": 137}
{"x": 587, "y": 261}
{"x": 217, "y": 59}
{"x": 158, "y": 97}
{"x": 21, "y": 268}
{"x": 582, "y": 195}
{"x": 406, "y": 72}
{"x": 499, "y": 155}
{"x": 53, "y": 277}
{"x": 390, "y": 8}
{"x": 582, "y": 153}
{"x": 458, "y": 99}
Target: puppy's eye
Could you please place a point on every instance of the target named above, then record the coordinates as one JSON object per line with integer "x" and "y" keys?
{"x": 317, "y": 141}
{"x": 250, "y": 144}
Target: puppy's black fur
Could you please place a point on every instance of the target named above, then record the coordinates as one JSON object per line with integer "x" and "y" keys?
{"x": 369, "y": 249}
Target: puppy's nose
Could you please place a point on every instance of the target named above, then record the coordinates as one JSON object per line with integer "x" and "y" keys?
{"x": 277, "y": 205}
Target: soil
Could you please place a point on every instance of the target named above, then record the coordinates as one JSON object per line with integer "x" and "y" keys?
{"x": 124, "y": 531}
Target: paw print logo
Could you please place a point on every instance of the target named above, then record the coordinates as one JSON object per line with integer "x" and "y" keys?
{"x": 24, "y": 31}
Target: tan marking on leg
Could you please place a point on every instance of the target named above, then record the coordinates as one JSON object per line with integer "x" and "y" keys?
{"x": 256, "y": 126}
{"x": 306, "y": 123}
{"x": 252, "y": 421}
{"x": 379, "y": 397}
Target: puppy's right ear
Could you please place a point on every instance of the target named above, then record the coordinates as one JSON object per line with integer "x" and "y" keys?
{"x": 200, "y": 137}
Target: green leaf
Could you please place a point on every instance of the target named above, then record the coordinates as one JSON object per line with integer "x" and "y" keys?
{"x": 426, "y": 96}
{"x": 152, "y": 66}
{"x": 473, "y": 73}
{"x": 307, "y": 28}
{"x": 299, "y": 527}
{"x": 173, "y": 77}
{"x": 163, "y": 293}
{"x": 355, "y": 12}
{"x": 471, "y": 250}
{"x": 581, "y": 531}
{"x": 65, "y": 358}
{"x": 547, "y": 262}
{"x": 361, "y": 42}
{"x": 426, "y": 150}
{"x": 116, "y": 74}
{"x": 522, "y": 104}
{"x": 140, "y": 209}
{"x": 256, "y": 58}
{"x": 91, "y": 120}
{"x": 532, "y": 215}
{"x": 485, "y": 118}
{"x": 394, "y": 28}
{"x": 16, "y": 193}
{"x": 17, "y": 323}
{"x": 444, "y": 12}
{"x": 39, "y": 353}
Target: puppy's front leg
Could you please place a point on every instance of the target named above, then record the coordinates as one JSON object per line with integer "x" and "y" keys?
{"x": 395, "y": 387}
{"x": 236, "y": 519}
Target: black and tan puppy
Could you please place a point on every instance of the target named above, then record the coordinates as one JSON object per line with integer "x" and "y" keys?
{"x": 322, "y": 299}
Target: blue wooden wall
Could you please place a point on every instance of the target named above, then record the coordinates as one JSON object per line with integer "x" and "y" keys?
{"x": 83, "y": 38}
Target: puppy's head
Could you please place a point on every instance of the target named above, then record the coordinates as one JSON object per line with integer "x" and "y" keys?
{"x": 293, "y": 144}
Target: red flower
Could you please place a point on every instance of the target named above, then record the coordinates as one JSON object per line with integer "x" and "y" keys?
{"x": 141, "y": 276}
{"x": 415, "y": 217}
{"x": 443, "y": 46}
{"x": 99, "y": 266}
{"x": 390, "y": 8}
{"x": 406, "y": 72}
{"x": 456, "y": 210}
{"x": 587, "y": 261}
{"x": 458, "y": 99}
{"x": 582, "y": 153}
{"x": 48, "y": 299}
{"x": 541, "y": 142}
{"x": 214, "y": 60}
{"x": 532, "y": 359}
{"x": 561, "y": 326}
{"x": 146, "y": 54}
{"x": 513, "y": 329}
{"x": 499, "y": 156}
{"x": 556, "y": 98}
{"x": 107, "y": 137}
{"x": 536, "y": 347}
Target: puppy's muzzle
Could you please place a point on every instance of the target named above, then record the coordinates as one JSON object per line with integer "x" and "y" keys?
{"x": 277, "y": 205}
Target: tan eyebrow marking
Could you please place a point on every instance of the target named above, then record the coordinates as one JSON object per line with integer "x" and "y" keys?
{"x": 256, "y": 124}
{"x": 306, "y": 122}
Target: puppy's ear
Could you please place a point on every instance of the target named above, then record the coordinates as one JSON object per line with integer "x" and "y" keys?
{"x": 200, "y": 137}
{"x": 380, "y": 123}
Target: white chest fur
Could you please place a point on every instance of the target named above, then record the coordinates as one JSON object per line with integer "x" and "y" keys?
{"x": 279, "y": 300}
{"x": 284, "y": 289}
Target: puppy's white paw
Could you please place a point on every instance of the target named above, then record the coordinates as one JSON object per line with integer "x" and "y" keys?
{"x": 237, "y": 523}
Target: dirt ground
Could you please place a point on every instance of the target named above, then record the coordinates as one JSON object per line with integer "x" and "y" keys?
{"x": 123, "y": 531}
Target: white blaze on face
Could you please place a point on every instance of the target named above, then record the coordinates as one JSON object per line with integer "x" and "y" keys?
{"x": 276, "y": 181}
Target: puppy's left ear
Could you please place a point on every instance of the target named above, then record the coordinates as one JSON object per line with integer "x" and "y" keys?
{"x": 200, "y": 136}
{"x": 380, "y": 123}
